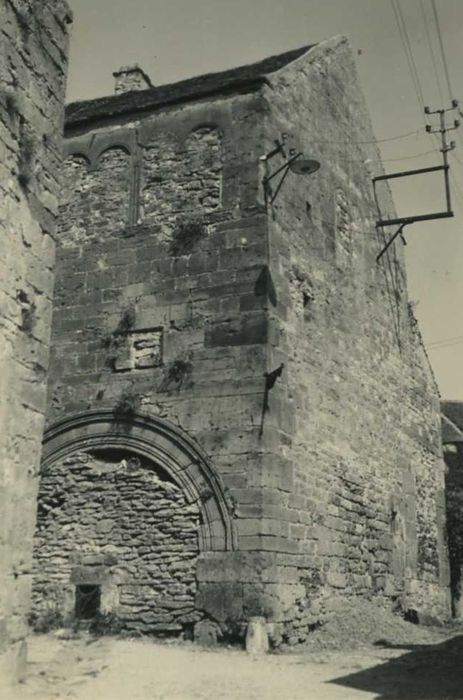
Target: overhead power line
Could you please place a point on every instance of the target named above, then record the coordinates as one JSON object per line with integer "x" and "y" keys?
{"x": 417, "y": 155}
{"x": 408, "y": 51}
{"x": 388, "y": 160}
{"x": 444, "y": 340}
{"x": 458, "y": 191}
{"x": 444, "y": 59}
{"x": 394, "y": 138}
{"x": 448, "y": 343}
{"x": 390, "y": 138}
{"x": 436, "y": 71}
{"x": 431, "y": 50}
{"x": 441, "y": 44}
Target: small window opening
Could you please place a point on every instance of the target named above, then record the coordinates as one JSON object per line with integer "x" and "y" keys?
{"x": 87, "y": 602}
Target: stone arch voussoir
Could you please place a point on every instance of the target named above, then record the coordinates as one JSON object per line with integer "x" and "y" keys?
{"x": 163, "y": 443}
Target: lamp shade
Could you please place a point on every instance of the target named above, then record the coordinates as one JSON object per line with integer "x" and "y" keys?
{"x": 304, "y": 166}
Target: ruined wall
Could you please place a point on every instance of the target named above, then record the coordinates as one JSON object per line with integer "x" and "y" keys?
{"x": 361, "y": 438}
{"x": 114, "y": 520}
{"x": 33, "y": 63}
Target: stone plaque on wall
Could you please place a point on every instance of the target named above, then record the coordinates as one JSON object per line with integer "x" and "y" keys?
{"x": 140, "y": 350}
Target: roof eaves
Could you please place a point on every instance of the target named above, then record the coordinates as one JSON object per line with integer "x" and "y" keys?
{"x": 241, "y": 79}
{"x": 79, "y": 113}
{"x": 450, "y": 432}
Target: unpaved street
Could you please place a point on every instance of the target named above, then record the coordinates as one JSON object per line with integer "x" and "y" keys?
{"x": 118, "y": 669}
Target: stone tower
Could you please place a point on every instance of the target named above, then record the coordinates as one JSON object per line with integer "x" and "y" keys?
{"x": 33, "y": 67}
{"x": 242, "y": 417}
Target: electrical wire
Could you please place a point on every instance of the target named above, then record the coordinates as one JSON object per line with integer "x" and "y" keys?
{"x": 457, "y": 189}
{"x": 451, "y": 342}
{"x": 444, "y": 340}
{"x": 391, "y": 138}
{"x": 455, "y": 155}
{"x": 431, "y": 50}
{"x": 444, "y": 59}
{"x": 434, "y": 63}
{"x": 417, "y": 155}
{"x": 442, "y": 50}
{"x": 454, "y": 179}
{"x": 408, "y": 51}
{"x": 459, "y": 136}
{"x": 387, "y": 160}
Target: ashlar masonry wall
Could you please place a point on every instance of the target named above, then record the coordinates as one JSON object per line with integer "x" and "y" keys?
{"x": 160, "y": 300}
{"x": 179, "y": 287}
{"x": 33, "y": 64}
{"x": 366, "y": 511}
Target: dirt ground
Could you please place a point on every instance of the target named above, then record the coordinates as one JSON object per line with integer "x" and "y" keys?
{"x": 108, "y": 668}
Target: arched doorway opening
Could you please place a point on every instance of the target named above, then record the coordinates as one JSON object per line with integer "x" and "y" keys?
{"x": 126, "y": 508}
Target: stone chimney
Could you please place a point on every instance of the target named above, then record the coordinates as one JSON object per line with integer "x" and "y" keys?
{"x": 130, "y": 78}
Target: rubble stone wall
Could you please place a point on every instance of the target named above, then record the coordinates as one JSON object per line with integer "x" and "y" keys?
{"x": 94, "y": 203}
{"x": 33, "y": 65}
{"x": 114, "y": 520}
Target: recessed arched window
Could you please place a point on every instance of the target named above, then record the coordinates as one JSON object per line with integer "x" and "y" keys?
{"x": 95, "y": 202}
{"x": 181, "y": 176}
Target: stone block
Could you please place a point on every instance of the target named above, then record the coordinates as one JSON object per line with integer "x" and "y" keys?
{"x": 246, "y": 331}
{"x": 257, "y": 641}
{"x": 336, "y": 579}
{"x": 221, "y": 601}
{"x": 207, "y": 633}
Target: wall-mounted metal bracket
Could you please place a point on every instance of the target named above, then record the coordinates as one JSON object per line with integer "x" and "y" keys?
{"x": 445, "y": 148}
{"x": 285, "y": 168}
{"x": 391, "y": 240}
{"x": 270, "y": 379}
{"x": 296, "y": 162}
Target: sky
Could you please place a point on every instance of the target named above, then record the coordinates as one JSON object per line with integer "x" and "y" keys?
{"x": 176, "y": 39}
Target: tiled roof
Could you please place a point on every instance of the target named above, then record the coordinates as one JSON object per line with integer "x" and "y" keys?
{"x": 452, "y": 421}
{"x": 243, "y": 78}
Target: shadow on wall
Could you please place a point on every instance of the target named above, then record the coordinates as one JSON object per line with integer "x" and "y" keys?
{"x": 427, "y": 672}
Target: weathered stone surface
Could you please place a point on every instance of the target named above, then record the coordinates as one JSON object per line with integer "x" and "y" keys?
{"x": 120, "y": 524}
{"x": 33, "y": 65}
{"x": 130, "y": 78}
{"x": 101, "y": 205}
{"x": 357, "y": 394}
{"x": 207, "y": 633}
{"x": 334, "y": 474}
{"x": 453, "y": 454}
{"x": 257, "y": 636}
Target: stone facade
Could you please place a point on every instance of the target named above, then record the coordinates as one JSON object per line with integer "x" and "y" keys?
{"x": 33, "y": 64}
{"x": 361, "y": 405}
{"x": 452, "y": 437}
{"x": 257, "y": 344}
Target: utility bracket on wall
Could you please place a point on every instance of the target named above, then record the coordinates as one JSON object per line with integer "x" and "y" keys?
{"x": 445, "y": 148}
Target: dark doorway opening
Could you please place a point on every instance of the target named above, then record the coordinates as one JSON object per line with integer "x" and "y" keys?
{"x": 87, "y": 602}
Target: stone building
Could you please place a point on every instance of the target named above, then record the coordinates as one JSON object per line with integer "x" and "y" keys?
{"x": 33, "y": 65}
{"x": 242, "y": 418}
{"x": 452, "y": 438}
